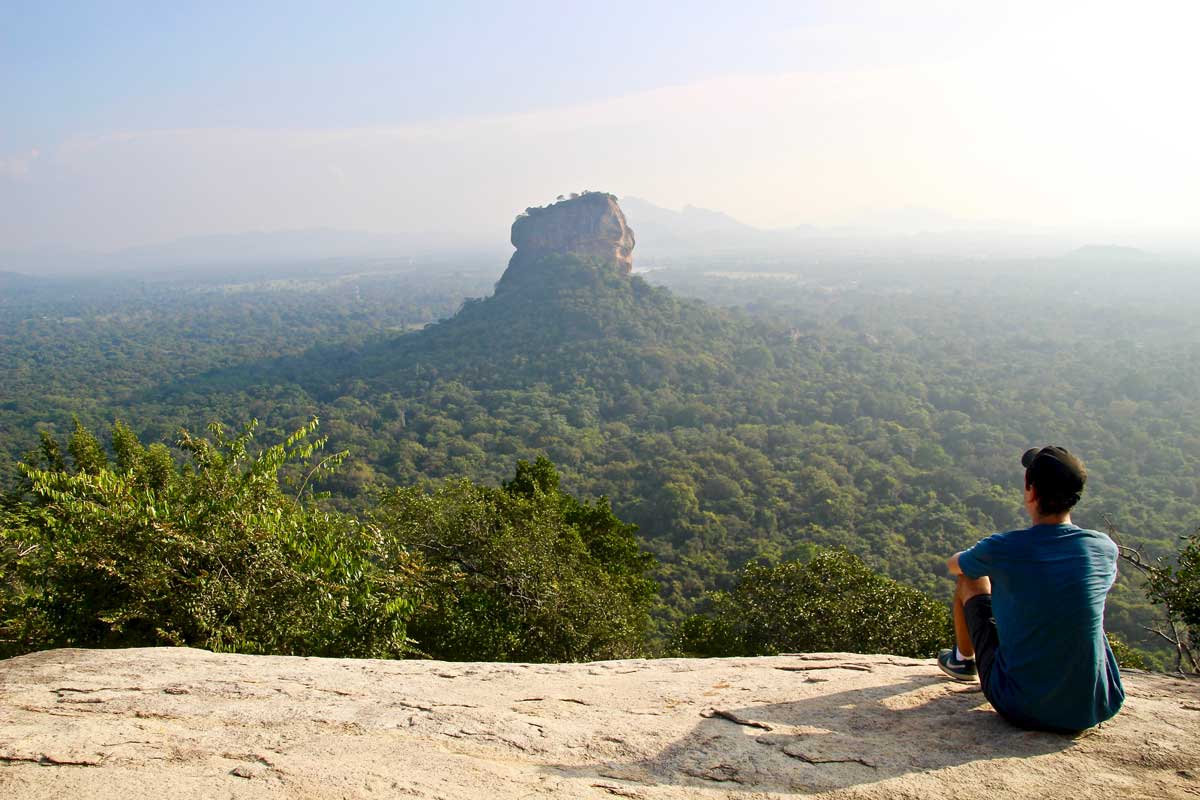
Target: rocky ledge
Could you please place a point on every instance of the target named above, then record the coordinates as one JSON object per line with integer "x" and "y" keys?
{"x": 174, "y": 722}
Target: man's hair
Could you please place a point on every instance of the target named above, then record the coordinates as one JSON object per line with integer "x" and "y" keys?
{"x": 1056, "y": 476}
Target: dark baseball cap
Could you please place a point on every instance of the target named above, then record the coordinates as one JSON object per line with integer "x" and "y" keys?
{"x": 1054, "y": 468}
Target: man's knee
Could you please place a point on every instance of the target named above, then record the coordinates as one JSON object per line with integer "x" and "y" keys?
{"x": 970, "y": 587}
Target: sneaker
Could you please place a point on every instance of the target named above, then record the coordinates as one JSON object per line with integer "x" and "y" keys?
{"x": 959, "y": 670}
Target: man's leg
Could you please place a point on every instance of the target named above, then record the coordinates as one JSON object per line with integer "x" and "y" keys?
{"x": 949, "y": 661}
{"x": 964, "y": 591}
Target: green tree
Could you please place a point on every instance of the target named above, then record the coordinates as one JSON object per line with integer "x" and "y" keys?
{"x": 1180, "y": 588}
{"x": 833, "y": 602}
{"x": 524, "y": 572}
{"x": 1175, "y": 589}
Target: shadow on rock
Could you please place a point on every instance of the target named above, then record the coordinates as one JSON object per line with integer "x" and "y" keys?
{"x": 832, "y": 741}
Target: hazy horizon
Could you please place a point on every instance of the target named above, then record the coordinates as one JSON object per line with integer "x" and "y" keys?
{"x": 129, "y": 129}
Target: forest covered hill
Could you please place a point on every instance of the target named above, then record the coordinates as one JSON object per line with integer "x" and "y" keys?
{"x": 838, "y": 406}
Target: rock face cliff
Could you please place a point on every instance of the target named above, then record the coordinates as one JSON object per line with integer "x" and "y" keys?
{"x": 590, "y": 226}
{"x": 179, "y": 723}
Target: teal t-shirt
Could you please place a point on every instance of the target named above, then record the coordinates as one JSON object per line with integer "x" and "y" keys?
{"x": 1054, "y": 666}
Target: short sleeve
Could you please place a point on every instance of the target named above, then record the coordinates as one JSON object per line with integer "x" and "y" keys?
{"x": 978, "y": 560}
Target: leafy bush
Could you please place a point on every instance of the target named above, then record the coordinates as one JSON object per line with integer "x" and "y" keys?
{"x": 524, "y": 572}
{"x": 1178, "y": 588}
{"x": 209, "y": 554}
{"x": 1127, "y": 657}
{"x": 1176, "y": 592}
{"x": 833, "y": 602}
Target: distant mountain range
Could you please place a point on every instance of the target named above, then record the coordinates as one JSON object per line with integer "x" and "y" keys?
{"x": 660, "y": 229}
{"x": 1109, "y": 252}
{"x": 898, "y": 234}
{"x": 256, "y": 248}
{"x": 662, "y": 234}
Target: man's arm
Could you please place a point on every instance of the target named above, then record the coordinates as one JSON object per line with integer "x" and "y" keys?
{"x": 976, "y": 561}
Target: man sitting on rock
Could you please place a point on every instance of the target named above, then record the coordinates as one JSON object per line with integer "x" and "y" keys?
{"x": 1029, "y": 609}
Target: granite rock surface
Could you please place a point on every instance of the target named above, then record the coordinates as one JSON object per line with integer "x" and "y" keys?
{"x": 183, "y": 723}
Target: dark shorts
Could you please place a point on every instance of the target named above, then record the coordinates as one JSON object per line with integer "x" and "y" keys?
{"x": 985, "y": 639}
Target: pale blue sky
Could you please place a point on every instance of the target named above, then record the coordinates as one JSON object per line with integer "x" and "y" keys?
{"x": 125, "y": 123}
{"x": 69, "y": 68}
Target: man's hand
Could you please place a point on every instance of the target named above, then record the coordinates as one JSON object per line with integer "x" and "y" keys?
{"x": 952, "y": 564}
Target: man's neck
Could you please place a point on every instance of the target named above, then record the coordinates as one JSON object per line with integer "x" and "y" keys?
{"x": 1050, "y": 519}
